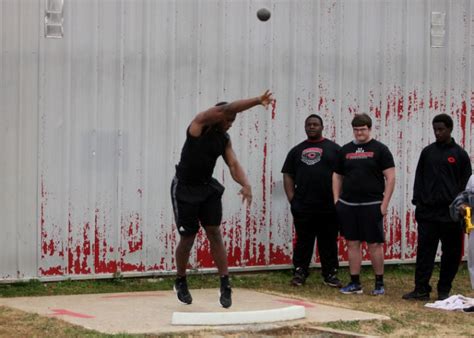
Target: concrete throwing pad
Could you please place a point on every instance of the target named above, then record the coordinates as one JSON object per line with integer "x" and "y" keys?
{"x": 152, "y": 312}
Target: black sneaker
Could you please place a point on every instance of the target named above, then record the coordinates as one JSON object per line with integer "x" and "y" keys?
{"x": 417, "y": 295}
{"x": 333, "y": 281}
{"x": 225, "y": 296}
{"x": 299, "y": 277}
{"x": 443, "y": 295}
{"x": 182, "y": 292}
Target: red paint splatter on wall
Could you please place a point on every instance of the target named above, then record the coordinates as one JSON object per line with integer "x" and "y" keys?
{"x": 50, "y": 243}
{"x": 273, "y": 109}
{"x": 393, "y": 228}
{"x": 413, "y": 104}
{"x": 353, "y": 110}
{"x": 400, "y": 108}
{"x": 410, "y": 235}
{"x": 472, "y": 108}
{"x": 253, "y": 254}
{"x": 394, "y": 104}
{"x": 128, "y": 267}
{"x": 79, "y": 250}
{"x": 70, "y": 254}
{"x": 343, "y": 254}
{"x": 277, "y": 253}
{"x": 256, "y": 127}
{"x": 373, "y": 108}
{"x": 44, "y": 234}
{"x": 321, "y": 102}
{"x": 130, "y": 253}
{"x": 264, "y": 177}
{"x": 101, "y": 264}
{"x": 462, "y": 118}
{"x": 203, "y": 253}
{"x": 52, "y": 271}
{"x": 135, "y": 235}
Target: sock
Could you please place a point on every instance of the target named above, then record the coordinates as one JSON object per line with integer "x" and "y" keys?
{"x": 225, "y": 281}
{"x": 355, "y": 279}
{"x": 379, "y": 280}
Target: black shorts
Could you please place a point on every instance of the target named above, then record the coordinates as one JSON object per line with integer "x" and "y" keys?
{"x": 361, "y": 223}
{"x": 196, "y": 204}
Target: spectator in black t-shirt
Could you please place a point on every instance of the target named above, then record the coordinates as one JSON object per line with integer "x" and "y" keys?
{"x": 442, "y": 172}
{"x": 307, "y": 176}
{"x": 363, "y": 184}
{"x": 196, "y": 195}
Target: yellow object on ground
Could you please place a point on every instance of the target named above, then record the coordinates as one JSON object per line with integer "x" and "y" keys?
{"x": 467, "y": 219}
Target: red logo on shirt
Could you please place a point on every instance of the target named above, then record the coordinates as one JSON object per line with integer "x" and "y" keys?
{"x": 451, "y": 159}
{"x": 311, "y": 155}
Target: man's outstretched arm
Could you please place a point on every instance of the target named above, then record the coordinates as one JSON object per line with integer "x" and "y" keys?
{"x": 227, "y": 111}
{"x": 238, "y": 173}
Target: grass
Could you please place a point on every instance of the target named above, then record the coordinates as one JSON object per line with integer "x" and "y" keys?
{"x": 407, "y": 318}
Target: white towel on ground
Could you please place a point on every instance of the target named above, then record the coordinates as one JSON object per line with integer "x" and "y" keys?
{"x": 453, "y": 303}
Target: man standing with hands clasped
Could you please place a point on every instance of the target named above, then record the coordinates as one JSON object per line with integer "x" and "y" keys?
{"x": 196, "y": 195}
{"x": 363, "y": 184}
{"x": 307, "y": 179}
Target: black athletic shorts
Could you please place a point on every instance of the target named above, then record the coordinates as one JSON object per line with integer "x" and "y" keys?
{"x": 195, "y": 204}
{"x": 361, "y": 222}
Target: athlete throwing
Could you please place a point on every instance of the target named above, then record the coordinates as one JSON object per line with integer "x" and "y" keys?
{"x": 196, "y": 195}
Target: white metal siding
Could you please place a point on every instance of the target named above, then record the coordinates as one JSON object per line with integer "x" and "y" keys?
{"x": 93, "y": 123}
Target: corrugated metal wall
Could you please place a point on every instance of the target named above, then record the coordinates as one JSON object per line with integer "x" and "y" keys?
{"x": 93, "y": 123}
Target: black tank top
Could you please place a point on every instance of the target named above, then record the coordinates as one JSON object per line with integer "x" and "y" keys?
{"x": 199, "y": 155}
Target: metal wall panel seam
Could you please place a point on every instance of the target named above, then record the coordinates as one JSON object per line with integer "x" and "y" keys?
{"x": 20, "y": 116}
{"x": 222, "y": 64}
{"x": 447, "y": 61}
{"x": 146, "y": 113}
{"x": 2, "y": 35}
{"x": 29, "y": 147}
{"x": 401, "y": 172}
{"x": 339, "y": 75}
{"x": 292, "y": 94}
{"x": 9, "y": 140}
{"x": 28, "y": 144}
{"x": 272, "y": 223}
{"x": 172, "y": 103}
{"x": 194, "y": 259}
{"x": 171, "y": 45}
{"x": 120, "y": 139}
{"x": 68, "y": 112}
{"x": 244, "y": 123}
{"x": 470, "y": 117}
{"x": 40, "y": 104}
{"x": 94, "y": 143}
{"x": 427, "y": 68}
{"x": 399, "y": 220}
{"x": 269, "y": 153}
